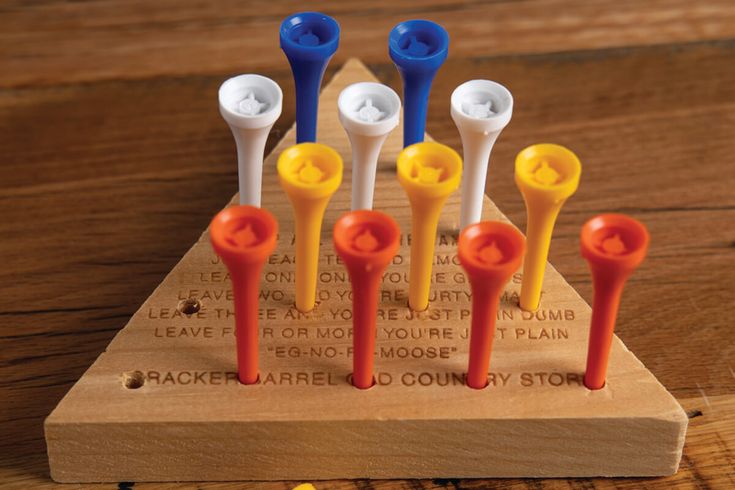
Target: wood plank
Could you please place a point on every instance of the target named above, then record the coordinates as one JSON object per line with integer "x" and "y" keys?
{"x": 61, "y": 43}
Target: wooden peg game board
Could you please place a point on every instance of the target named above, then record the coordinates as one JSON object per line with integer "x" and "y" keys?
{"x": 163, "y": 402}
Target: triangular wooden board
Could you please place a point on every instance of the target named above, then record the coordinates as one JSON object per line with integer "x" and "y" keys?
{"x": 162, "y": 403}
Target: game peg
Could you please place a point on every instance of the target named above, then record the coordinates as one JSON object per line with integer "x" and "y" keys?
{"x": 250, "y": 104}
{"x": 418, "y": 48}
{"x": 244, "y": 237}
{"x": 490, "y": 252}
{"x": 429, "y": 172}
{"x": 614, "y": 245}
{"x": 546, "y": 175}
{"x": 480, "y": 109}
{"x": 369, "y": 112}
{"x": 366, "y": 241}
{"x": 309, "y": 173}
{"x": 309, "y": 39}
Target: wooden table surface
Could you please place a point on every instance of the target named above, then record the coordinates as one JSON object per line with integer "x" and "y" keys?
{"x": 114, "y": 158}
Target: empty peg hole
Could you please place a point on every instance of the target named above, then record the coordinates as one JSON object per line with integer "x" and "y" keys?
{"x": 133, "y": 380}
{"x": 189, "y": 306}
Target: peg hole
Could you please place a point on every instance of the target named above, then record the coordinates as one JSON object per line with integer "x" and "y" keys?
{"x": 487, "y": 383}
{"x": 189, "y": 306}
{"x": 352, "y": 382}
{"x": 133, "y": 380}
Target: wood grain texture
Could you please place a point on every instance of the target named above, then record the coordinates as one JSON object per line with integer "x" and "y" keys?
{"x": 140, "y": 39}
{"x": 117, "y": 196}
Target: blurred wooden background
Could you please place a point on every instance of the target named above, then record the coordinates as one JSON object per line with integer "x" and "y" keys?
{"x": 114, "y": 158}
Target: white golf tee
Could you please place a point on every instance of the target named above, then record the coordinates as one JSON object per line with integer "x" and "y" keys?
{"x": 480, "y": 109}
{"x": 369, "y": 112}
{"x": 250, "y": 104}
